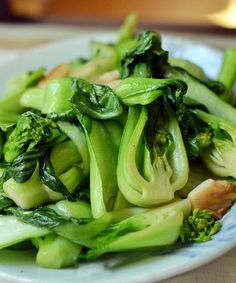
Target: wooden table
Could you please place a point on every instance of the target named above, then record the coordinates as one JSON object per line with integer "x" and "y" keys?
{"x": 15, "y": 37}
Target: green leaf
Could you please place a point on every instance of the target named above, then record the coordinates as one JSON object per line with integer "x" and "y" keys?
{"x": 5, "y": 202}
{"x": 96, "y": 101}
{"x": 6, "y": 175}
{"x": 30, "y": 131}
{"x": 147, "y": 50}
{"x": 200, "y": 94}
{"x": 44, "y": 217}
{"x": 24, "y": 166}
{"x": 49, "y": 178}
{"x": 198, "y": 73}
{"x": 143, "y": 91}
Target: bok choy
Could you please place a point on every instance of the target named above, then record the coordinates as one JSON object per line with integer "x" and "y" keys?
{"x": 95, "y": 155}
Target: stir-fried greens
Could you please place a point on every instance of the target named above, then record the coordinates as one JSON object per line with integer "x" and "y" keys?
{"x": 95, "y": 155}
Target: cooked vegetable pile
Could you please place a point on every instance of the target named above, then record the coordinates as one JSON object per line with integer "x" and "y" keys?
{"x": 95, "y": 155}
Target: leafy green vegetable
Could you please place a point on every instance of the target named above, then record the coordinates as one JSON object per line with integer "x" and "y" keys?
{"x": 5, "y": 202}
{"x": 77, "y": 209}
{"x": 143, "y": 91}
{"x": 32, "y": 98}
{"x": 164, "y": 167}
{"x": 83, "y": 166}
{"x": 96, "y": 101}
{"x": 24, "y": 166}
{"x": 59, "y": 156}
{"x": 30, "y": 131}
{"x": 41, "y": 217}
{"x": 141, "y": 231}
{"x": 102, "y": 151}
{"x": 227, "y": 75}
{"x": 76, "y": 134}
{"x": 198, "y": 74}
{"x": 147, "y": 50}
{"x": 200, "y": 94}
{"x": 16, "y": 232}
{"x": 44, "y": 217}
{"x": 128, "y": 28}
{"x": 196, "y": 144}
{"x": 90, "y": 70}
{"x": 25, "y": 80}
{"x": 29, "y": 194}
{"x": 193, "y": 69}
{"x": 10, "y": 107}
{"x": 67, "y": 116}
{"x": 1, "y": 143}
{"x": 56, "y": 252}
{"x": 72, "y": 179}
{"x": 197, "y": 134}
{"x": 129, "y": 229}
{"x": 85, "y": 234}
{"x": 5, "y": 175}
{"x": 74, "y": 64}
{"x": 57, "y": 94}
{"x": 200, "y": 226}
{"x": 33, "y": 192}
{"x": 220, "y": 155}
{"x": 49, "y": 178}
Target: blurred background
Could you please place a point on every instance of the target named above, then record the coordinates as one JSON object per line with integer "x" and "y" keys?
{"x": 221, "y": 13}
{"x": 30, "y": 22}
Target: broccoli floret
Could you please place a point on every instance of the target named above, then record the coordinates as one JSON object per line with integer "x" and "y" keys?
{"x": 199, "y": 226}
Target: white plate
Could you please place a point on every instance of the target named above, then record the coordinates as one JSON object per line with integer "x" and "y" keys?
{"x": 131, "y": 268}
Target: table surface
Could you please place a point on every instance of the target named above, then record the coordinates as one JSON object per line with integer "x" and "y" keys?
{"x": 15, "y": 37}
